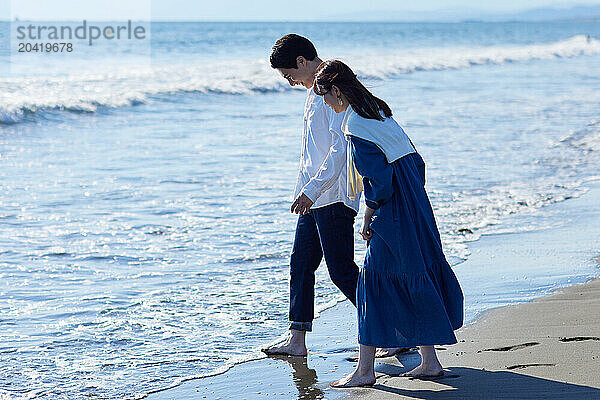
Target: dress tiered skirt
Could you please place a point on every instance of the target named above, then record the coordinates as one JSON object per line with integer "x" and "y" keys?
{"x": 407, "y": 293}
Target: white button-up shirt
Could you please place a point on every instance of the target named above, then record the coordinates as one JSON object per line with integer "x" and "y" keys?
{"x": 322, "y": 175}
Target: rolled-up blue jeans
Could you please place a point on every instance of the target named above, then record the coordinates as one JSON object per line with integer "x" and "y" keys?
{"x": 325, "y": 231}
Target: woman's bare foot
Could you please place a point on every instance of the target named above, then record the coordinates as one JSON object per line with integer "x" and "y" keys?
{"x": 425, "y": 371}
{"x": 293, "y": 345}
{"x": 390, "y": 351}
{"x": 355, "y": 379}
{"x": 430, "y": 365}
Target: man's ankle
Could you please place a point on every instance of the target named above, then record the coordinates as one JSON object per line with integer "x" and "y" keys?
{"x": 305, "y": 326}
{"x": 297, "y": 337}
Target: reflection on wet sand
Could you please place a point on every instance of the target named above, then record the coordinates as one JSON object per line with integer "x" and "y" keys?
{"x": 304, "y": 378}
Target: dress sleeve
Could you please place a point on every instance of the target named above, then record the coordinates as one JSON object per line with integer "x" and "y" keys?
{"x": 377, "y": 174}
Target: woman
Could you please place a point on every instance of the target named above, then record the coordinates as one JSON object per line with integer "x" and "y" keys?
{"x": 407, "y": 294}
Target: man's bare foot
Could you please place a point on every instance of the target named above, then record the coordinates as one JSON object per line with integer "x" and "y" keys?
{"x": 292, "y": 346}
{"x": 285, "y": 349}
{"x": 425, "y": 371}
{"x": 355, "y": 379}
{"x": 390, "y": 351}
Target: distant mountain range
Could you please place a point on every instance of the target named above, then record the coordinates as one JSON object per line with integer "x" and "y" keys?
{"x": 457, "y": 15}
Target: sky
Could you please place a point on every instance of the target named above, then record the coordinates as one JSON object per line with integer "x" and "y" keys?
{"x": 236, "y": 10}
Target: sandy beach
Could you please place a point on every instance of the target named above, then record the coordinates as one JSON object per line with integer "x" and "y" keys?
{"x": 546, "y": 348}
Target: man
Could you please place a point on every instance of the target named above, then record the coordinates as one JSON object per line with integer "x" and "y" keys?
{"x": 326, "y": 223}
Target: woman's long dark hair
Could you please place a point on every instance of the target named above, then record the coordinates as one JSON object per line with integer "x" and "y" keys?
{"x": 363, "y": 102}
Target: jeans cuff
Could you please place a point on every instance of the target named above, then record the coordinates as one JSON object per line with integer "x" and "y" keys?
{"x": 301, "y": 326}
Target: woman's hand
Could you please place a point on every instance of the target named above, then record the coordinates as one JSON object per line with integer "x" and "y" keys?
{"x": 365, "y": 231}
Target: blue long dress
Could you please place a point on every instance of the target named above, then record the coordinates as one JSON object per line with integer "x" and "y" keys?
{"x": 407, "y": 294}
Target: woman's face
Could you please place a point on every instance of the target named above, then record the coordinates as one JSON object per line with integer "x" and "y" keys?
{"x": 332, "y": 97}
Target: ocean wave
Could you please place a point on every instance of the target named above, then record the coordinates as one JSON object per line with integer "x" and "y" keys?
{"x": 26, "y": 98}
{"x": 586, "y": 140}
{"x": 23, "y": 98}
{"x": 439, "y": 59}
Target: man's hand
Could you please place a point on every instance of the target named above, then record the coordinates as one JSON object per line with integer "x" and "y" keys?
{"x": 301, "y": 205}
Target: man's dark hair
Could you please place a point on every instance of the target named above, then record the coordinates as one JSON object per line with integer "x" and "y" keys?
{"x": 288, "y": 48}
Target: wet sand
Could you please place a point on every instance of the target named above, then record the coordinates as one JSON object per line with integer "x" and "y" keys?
{"x": 548, "y": 348}
{"x": 331, "y": 343}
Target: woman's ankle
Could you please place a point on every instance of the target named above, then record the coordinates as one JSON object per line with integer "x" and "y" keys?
{"x": 429, "y": 356}
{"x": 365, "y": 370}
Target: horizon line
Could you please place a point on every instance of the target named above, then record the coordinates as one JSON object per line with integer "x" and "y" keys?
{"x": 594, "y": 18}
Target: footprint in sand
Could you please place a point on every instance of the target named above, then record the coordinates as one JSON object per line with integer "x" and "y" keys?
{"x": 521, "y": 366}
{"x": 578, "y": 338}
{"x": 511, "y": 348}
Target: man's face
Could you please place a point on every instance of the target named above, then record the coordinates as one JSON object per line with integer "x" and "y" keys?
{"x": 298, "y": 76}
{"x": 289, "y": 74}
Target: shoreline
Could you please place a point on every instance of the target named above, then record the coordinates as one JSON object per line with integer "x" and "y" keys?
{"x": 333, "y": 344}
